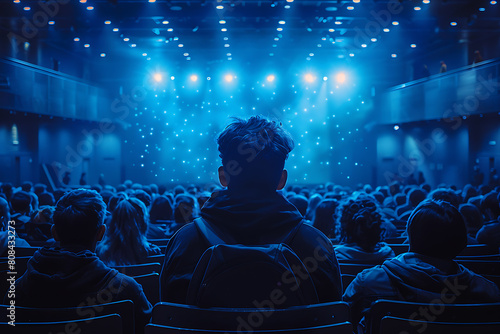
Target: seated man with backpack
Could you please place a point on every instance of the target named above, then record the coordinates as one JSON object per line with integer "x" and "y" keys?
{"x": 250, "y": 242}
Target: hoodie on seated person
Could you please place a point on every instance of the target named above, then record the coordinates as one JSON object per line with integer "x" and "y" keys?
{"x": 437, "y": 234}
{"x": 72, "y": 275}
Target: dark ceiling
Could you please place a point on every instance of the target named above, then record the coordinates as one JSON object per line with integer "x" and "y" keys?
{"x": 314, "y": 33}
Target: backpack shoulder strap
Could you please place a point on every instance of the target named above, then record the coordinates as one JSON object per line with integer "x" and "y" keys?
{"x": 292, "y": 233}
{"x": 209, "y": 233}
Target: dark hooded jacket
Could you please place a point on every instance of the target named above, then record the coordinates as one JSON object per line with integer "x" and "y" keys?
{"x": 250, "y": 219}
{"x": 417, "y": 278}
{"x": 75, "y": 277}
{"x": 355, "y": 254}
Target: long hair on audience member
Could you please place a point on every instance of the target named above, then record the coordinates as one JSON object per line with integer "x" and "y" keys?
{"x": 324, "y": 217}
{"x": 125, "y": 238}
{"x": 360, "y": 223}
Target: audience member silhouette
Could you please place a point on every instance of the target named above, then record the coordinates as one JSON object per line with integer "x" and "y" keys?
{"x": 161, "y": 209}
{"x": 4, "y": 233}
{"x": 473, "y": 220}
{"x": 361, "y": 228}
{"x": 125, "y": 239}
{"x": 251, "y": 210}
{"x": 73, "y": 275}
{"x": 437, "y": 233}
{"x": 490, "y": 232}
{"x": 324, "y": 217}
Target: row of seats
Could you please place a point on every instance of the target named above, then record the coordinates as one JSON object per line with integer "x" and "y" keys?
{"x": 385, "y": 316}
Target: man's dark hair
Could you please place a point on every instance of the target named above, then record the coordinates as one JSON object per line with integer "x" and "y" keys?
{"x": 437, "y": 229}
{"x": 253, "y": 152}
{"x": 78, "y": 216}
{"x": 416, "y": 196}
{"x": 21, "y": 202}
{"x": 26, "y": 186}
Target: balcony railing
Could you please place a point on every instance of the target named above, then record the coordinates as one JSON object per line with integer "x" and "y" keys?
{"x": 466, "y": 91}
{"x": 25, "y": 87}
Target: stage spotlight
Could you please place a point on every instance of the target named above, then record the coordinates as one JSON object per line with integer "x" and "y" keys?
{"x": 193, "y": 77}
{"x": 396, "y": 127}
{"x": 309, "y": 78}
{"x": 270, "y": 78}
{"x": 341, "y": 77}
{"x": 229, "y": 78}
{"x": 158, "y": 77}
{"x": 325, "y": 78}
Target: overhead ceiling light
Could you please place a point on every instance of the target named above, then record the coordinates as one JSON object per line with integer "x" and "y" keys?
{"x": 144, "y": 54}
{"x": 453, "y": 23}
{"x": 426, "y": 2}
{"x": 373, "y": 39}
{"x": 350, "y": 7}
{"x": 170, "y": 29}
{"x": 395, "y": 23}
{"x": 151, "y": 1}
{"x": 76, "y": 39}
{"x": 226, "y": 45}
{"x": 107, "y": 22}
{"x": 270, "y": 78}
{"x": 309, "y": 78}
{"x": 116, "y": 29}
{"x": 103, "y": 55}
{"x": 281, "y": 22}
{"x": 27, "y": 8}
{"x": 228, "y": 54}
{"x": 181, "y": 45}
{"x": 223, "y": 29}
{"x": 87, "y": 46}
{"x": 165, "y": 22}
{"x": 126, "y": 39}
{"x": 83, "y": 1}
{"x": 493, "y": 2}
{"x": 158, "y": 77}
{"x": 386, "y": 30}
{"x": 52, "y": 23}
{"x": 220, "y": 7}
{"x": 338, "y": 22}
{"x": 193, "y": 77}
{"x": 394, "y": 55}
{"x": 133, "y": 45}
{"x": 341, "y": 77}
{"x": 331, "y": 30}
{"x": 413, "y": 46}
{"x": 363, "y": 45}
{"x": 279, "y": 29}
{"x": 351, "y": 54}
{"x": 356, "y": 1}
{"x": 17, "y": 1}
{"x": 90, "y": 8}
{"x": 222, "y": 21}
{"x": 417, "y": 8}
{"x": 185, "y": 54}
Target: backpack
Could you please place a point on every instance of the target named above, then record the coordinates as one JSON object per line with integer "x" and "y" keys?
{"x": 260, "y": 276}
